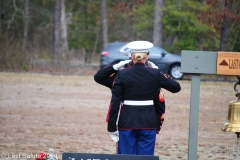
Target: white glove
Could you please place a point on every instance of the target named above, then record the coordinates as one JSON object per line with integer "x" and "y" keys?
{"x": 120, "y": 64}
{"x": 114, "y": 136}
{"x": 127, "y": 53}
{"x": 151, "y": 64}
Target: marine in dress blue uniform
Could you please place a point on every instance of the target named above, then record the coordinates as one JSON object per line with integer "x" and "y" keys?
{"x": 105, "y": 76}
{"x": 132, "y": 108}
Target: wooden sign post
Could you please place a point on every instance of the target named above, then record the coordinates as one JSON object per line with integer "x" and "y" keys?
{"x": 204, "y": 62}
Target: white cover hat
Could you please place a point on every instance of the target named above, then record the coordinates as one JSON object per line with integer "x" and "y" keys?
{"x": 139, "y": 46}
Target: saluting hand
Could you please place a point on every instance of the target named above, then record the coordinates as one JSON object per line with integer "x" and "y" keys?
{"x": 120, "y": 64}
{"x": 151, "y": 64}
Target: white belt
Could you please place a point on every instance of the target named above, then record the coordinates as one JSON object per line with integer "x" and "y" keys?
{"x": 138, "y": 103}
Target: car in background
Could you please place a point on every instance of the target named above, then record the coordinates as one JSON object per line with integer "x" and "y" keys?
{"x": 167, "y": 63}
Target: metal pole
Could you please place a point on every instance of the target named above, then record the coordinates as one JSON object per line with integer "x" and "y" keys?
{"x": 193, "y": 118}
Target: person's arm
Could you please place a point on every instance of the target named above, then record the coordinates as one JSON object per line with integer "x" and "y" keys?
{"x": 115, "y": 104}
{"x": 168, "y": 83}
{"x": 105, "y": 76}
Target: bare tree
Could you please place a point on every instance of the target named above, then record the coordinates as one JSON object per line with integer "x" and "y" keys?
{"x": 57, "y": 33}
{"x": 8, "y": 39}
{"x": 105, "y": 24}
{"x": 225, "y": 30}
{"x": 158, "y": 27}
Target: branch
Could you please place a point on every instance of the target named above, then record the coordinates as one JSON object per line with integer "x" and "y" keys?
{"x": 13, "y": 15}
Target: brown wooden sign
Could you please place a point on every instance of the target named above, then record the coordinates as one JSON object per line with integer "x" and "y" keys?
{"x": 228, "y": 63}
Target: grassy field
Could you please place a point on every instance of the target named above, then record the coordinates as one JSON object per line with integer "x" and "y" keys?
{"x": 67, "y": 113}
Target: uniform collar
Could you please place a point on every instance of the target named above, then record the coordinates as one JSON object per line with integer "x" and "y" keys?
{"x": 139, "y": 64}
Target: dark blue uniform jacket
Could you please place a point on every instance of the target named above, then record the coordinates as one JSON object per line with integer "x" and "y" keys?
{"x": 137, "y": 83}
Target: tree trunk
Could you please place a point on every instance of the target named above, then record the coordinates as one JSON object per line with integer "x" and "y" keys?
{"x": 57, "y": 33}
{"x": 225, "y": 30}
{"x": 26, "y": 24}
{"x": 158, "y": 27}
{"x": 104, "y": 21}
{"x": 179, "y": 9}
{"x": 1, "y": 11}
{"x": 95, "y": 45}
{"x": 64, "y": 35}
{"x": 25, "y": 33}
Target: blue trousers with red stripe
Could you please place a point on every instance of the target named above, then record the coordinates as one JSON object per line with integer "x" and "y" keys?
{"x": 137, "y": 142}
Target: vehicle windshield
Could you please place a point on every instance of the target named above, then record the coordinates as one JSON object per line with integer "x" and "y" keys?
{"x": 124, "y": 49}
{"x": 157, "y": 50}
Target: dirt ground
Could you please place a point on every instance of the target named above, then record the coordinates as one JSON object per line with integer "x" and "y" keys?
{"x": 67, "y": 113}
